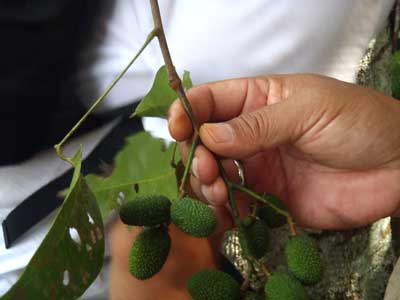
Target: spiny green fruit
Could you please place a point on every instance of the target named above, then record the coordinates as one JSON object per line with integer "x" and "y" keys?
{"x": 193, "y": 217}
{"x": 303, "y": 259}
{"x": 282, "y": 286}
{"x": 149, "y": 252}
{"x": 146, "y": 211}
{"x": 269, "y": 215}
{"x": 213, "y": 285}
{"x": 254, "y": 239}
{"x": 253, "y": 296}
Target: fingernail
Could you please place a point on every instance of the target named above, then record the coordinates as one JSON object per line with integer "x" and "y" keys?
{"x": 194, "y": 167}
{"x": 206, "y": 190}
{"x": 220, "y": 133}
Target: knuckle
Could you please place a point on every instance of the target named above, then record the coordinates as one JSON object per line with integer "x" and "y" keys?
{"x": 278, "y": 88}
{"x": 254, "y": 126}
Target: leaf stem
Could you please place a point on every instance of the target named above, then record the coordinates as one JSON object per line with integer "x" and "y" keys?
{"x": 174, "y": 80}
{"x": 58, "y": 146}
{"x": 195, "y": 142}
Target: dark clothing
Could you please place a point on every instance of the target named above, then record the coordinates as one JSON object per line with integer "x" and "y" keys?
{"x": 39, "y": 54}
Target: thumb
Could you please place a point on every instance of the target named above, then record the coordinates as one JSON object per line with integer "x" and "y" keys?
{"x": 250, "y": 133}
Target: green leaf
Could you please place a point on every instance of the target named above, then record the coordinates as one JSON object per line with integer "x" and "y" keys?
{"x": 161, "y": 95}
{"x": 142, "y": 167}
{"x": 186, "y": 80}
{"x": 71, "y": 255}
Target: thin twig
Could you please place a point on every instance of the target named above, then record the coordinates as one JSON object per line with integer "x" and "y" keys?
{"x": 231, "y": 199}
{"x": 176, "y": 84}
{"x": 174, "y": 80}
{"x": 58, "y": 146}
{"x": 259, "y": 198}
{"x": 172, "y": 162}
{"x": 195, "y": 142}
{"x": 292, "y": 226}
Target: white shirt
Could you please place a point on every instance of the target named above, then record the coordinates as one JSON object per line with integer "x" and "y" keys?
{"x": 213, "y": 39}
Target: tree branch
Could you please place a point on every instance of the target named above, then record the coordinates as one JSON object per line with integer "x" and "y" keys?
{"x": 174, "y": 80}
{"x": 176, "y": 85}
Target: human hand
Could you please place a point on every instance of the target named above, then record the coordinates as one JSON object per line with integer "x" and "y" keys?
{"x": 329, "y": 149}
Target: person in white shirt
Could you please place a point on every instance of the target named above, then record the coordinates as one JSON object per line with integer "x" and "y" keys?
{"x": 214, "y": 40}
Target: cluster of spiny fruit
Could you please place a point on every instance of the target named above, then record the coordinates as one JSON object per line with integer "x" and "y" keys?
{"x": 151, "y": 248}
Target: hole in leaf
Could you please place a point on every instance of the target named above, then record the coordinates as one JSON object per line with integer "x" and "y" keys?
{"x": 73, "y": 233}
{"x": 136, "y": 187}
{"x": 121, "y": 198}
{"x": 66, "y": 278}
{"x": 91, "y": 221}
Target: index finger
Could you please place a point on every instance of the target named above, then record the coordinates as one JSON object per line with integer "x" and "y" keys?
{"x": 216, "y": 102}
